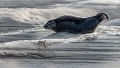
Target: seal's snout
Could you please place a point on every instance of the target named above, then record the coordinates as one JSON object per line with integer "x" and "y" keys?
{"x": 45, "y": 26}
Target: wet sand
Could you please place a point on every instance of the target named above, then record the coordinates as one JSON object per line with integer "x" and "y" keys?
{"x": 24, "y": 43}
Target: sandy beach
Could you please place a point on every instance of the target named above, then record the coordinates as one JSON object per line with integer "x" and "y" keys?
{"x": 24, "y": 43}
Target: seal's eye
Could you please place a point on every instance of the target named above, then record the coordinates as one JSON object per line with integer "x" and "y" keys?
{"x": 49, "y": 24}
{"x": 52, "y": 24}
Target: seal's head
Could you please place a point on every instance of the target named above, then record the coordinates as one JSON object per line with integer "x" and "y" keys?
{"x": 102, "y": 16}
{"x": 50, "y": 25}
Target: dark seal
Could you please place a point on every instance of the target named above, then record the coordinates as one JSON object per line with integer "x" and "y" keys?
{"x": 76, "y": 24}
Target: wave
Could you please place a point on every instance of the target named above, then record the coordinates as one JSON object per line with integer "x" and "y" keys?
{"x": 40, "y": 16}
{"x": 25, "y": 38}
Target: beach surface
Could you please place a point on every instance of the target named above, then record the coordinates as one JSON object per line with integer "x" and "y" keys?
{"x": 24, "y": 43}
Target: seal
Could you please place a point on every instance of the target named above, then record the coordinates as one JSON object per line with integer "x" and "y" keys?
{"x": 76, "y": 24}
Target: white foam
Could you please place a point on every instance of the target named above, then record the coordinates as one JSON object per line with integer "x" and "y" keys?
{"x": 41, "y": 16}
{"x": 85, "y": 50}
{"x": 105, "y": 1}
{"x": 115, "y": 22}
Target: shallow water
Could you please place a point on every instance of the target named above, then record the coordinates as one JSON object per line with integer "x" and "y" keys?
{"x": 26, "y": 44}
